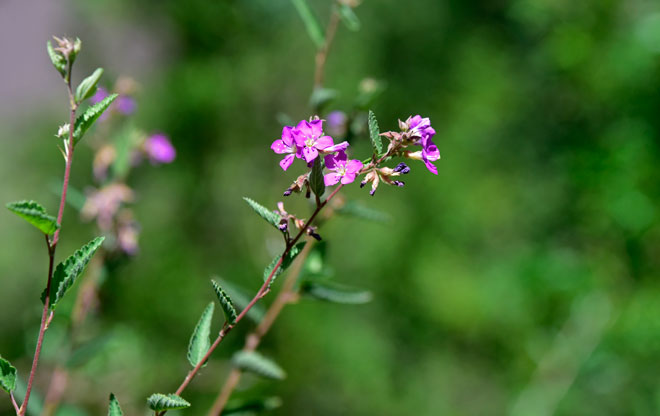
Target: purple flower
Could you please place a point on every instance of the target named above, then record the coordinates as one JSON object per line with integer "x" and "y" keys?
{"x": 430, "y": 153}
{"x": 336, "y": 123}
{"x": 286, "y": 145}
{"x": 344, "y": 170}
{"x": 159, "y": 149}
{"x": 125, "y": 104}
{"x": 100, "y": 94}
{"x": 309, "y": 137}
{"x": 420, "y": 129}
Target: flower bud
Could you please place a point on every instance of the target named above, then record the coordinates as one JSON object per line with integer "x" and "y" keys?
{"x": 402, "y": 168}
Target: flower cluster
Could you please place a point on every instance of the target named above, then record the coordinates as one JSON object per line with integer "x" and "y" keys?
{"x": 307, "y": 141}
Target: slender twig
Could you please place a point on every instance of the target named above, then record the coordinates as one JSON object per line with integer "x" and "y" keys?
{"x": 52, "y": 245}
{"x": 13, "y": 401}
{"x": 262, "y": 291}
{"x": 252, "y": 341}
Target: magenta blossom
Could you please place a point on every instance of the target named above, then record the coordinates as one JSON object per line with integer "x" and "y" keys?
{"x": 309, "y": 138}
{"x": 344, "y": 170}
{"x": 430, "y": 153}
{"x": 420, "y": 129}
{"x": 286, "y": 145}
{"x": 159, "y": 149}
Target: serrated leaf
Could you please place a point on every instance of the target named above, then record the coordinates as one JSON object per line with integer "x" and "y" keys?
{"x": 88, "y": 86}
{"x": 87, "y": 119}
{"x": 321, "y": 97}
{"x": 311, "y": 23}
{"x": 256, "y": 363}
{"x": 286, "y": 262}
{"x": 35, "y": 214}
{"x": 58, "y": 60}
{"x": 226, "y": 303}
{"x": 264, "y": 212}
{"x": 200, "y": 341}
{"x": 113, "y": 407}
{"x": 316, "y": 182}
{"x": 7, "y": 376}
{"x": 332, "y": 292}
{"x": 68, "y": 271}
{"x": 159, "y": 402}
{"x": 357, "y": 210}
{"x": 241, "y": 299}
{"x": 348, "y": 17}
{"x": 374, "y": 133}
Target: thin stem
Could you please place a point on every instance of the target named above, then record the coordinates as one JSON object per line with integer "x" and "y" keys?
{"x": 253, "y": 340}
{"x": 322, "y": 54}
{"x": 262, "y": 291}
{"x": 51, "y": 249}
{"x": 13, "y": 401}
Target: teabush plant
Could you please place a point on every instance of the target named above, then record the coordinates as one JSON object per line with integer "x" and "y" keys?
{"x": 314, "y": 146}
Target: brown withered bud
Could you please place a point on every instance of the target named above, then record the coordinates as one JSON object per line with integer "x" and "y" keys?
{"x": 403, "y": 126}
{"x": 297, "y": 185}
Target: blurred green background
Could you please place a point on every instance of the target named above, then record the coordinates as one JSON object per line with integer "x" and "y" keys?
{"x": 522, "y": 280}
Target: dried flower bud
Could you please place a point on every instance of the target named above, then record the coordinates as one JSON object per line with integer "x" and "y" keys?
{"x": 402, "y": 168}
{"x": 398, "y": 183}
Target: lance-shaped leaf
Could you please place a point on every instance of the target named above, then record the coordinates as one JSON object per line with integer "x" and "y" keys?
{"x": 264, "y": 212}
{"x": 311, "y": 23}
{"x": 159, "y": 402}
{"x": 68, "y": 271}
{"x": 58, "y": 60}
{"x": 374, "y": 133}
{"x": 7, "y": 376}
{"x": 113, "y": 407}
{"x": 357, "y": 210}
{"x": 286, "y": 262}
{"x": 200, "y": 342}
{"x": 35, "y": 214}
{"x": 87, "y": 119}
{"x": 226, "y": 303}
{"x": 348, "y": 16}
{"x": 88, "y": 85}
{"x": 241, "y": 299}
{"x": 332, "y": 292}
{"x": 316, "y": 181}
{"x": 256, "y": 363}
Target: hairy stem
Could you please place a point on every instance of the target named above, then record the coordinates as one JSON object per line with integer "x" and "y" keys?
{"x": 52, "y": 245}
{"x": 261, "y": 293}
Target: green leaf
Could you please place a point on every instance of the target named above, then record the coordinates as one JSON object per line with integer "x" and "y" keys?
{"x": 87, "y": 119}
{"x": 226, "y": 303}
{"x": 113, "y": 407}
{"x": 200, "y": 342}
{"x": 88, "y": 86}
{"x": 241, "y": 299}
{"x": 374, "y": 133}
{"x": 293, "y": 253}
{"x": 332, "y": 292}
{"x": 321, "y": 97}
{"x": 68, "y": 271}
{"x": 7, "y": 375}
{"x": 256, "y": 363}
{"x": 58, "y": 60}
{"x": 159, "y": 402}
{"x": 357, "y": 210}
{"x": 348, "y": 16}
{"x": 264, "y": 212}
{"x": 316, "y": 181}
{"x": 35, "y": 214}
{"x": 311, "y": 23}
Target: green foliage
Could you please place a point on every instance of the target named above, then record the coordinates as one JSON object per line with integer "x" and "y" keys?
{"x": 264, "y": 212}
{"x": 374, "y": 134}
{"x": 256, "y": 363}
{"x": 113, "y": 407}
{"x": 240, "y": 298}
{"x": 88, "y": 350}
{"x": 68, "y": 271}
{"x": 333, "y": 292}
{"x": 252, "y": 406}
{"x": 226, "y": 303}
{"x": 7, "y": 375}
{"x": 358, "y": 210}
{"x": 87, "y": 119}
{"x": 88, "y": 86}
{"x": 348, "y": 17}
{"x": 200, "y": 341}
{"x": 316, "y": 182}
{"x": 286, "y": 262}
{"x": 311, "y": 23}
{"x": 159, "y": 402}
{"x": 58, "y": 60}
{"x": 35, "y": 214}
{"x": 321, "y": 97}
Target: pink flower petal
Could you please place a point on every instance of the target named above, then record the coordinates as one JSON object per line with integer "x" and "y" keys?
{"x": 287, "y": 161}
{"x": 331, "y": 179}
{"x": 337, "y": 147}
{"x": 279, "y": 146}
{"x": 353, "y": 166}
{"x": 330, "y": 162}
{"x": 309, "y": 154}
{"x": 348, "y": 178}
{"x": 324, "y": 142}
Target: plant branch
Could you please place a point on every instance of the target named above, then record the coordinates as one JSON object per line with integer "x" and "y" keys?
{"x": 322, "y": 54}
